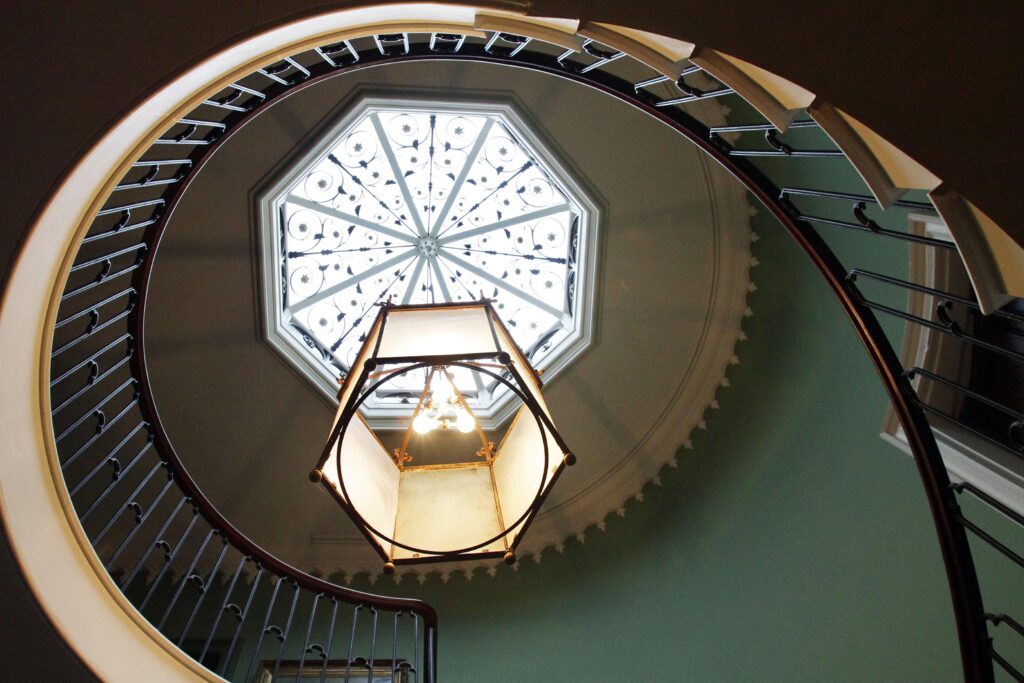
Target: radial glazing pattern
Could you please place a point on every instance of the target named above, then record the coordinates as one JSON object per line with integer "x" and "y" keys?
{"x": 430, "y": 203}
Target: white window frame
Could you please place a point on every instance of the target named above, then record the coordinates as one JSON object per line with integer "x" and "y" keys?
{"x": 968, "y": 458}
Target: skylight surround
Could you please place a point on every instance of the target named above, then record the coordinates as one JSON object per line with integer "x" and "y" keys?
{"x": 425, "y": 203}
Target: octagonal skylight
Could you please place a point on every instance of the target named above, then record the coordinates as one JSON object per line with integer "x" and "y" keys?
{"x": 421, "y": 202}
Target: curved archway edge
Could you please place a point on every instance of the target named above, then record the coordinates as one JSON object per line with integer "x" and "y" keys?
{"x": 52, "y": 550}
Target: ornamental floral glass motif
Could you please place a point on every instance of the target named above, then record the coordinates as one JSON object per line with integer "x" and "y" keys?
{"x": 425, "y": 204}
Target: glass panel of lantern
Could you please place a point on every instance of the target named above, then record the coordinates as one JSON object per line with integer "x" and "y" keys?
{"x": 442, "y": 488}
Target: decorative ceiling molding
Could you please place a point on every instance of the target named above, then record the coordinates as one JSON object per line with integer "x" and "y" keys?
{"x": 575, "y": 512}
{"x": 676, "y": 272}
{"x": 625, "y": 478}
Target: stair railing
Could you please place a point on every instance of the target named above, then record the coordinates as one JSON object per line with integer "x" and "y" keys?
{"x": 203, "y": 583}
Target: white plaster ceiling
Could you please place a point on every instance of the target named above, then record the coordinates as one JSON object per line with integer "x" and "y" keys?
{"x": 670, "y": 297}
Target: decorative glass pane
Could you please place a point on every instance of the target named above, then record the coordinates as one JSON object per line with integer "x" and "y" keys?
{"x": 428, "y": 203}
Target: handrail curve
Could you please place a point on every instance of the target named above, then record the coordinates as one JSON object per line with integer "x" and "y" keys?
{"x": 326, "y": 54}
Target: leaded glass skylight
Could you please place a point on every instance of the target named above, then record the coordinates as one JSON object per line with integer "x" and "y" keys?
{"x": 421, "y": 202}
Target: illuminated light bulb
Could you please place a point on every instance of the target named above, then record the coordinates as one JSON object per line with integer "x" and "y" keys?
{"x": 464, "y": 421}
{"x": 423, "y": 423}
{"x": 442, "y": 390}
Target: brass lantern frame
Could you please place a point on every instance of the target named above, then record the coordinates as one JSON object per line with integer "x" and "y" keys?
{"x": 370, "y": 377}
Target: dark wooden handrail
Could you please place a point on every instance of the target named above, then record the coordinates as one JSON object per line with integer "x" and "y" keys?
{"x": 289, "y": 77}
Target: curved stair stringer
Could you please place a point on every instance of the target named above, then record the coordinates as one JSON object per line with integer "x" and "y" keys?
{"x": 48, "y": 541}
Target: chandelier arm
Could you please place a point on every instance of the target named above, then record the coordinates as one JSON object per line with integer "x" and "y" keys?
{"x": 485, "y": 444}
{"x": 404, "y": 450}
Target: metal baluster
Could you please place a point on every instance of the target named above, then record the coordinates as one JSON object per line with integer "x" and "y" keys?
{"x": 386, "y": 41}
{"x": 877, "y": 230}
{"x": 126, "y": 209}
{"x": 912, "y": 372}
{"x": 97, "y": 412}
{"x": 691, "y": 94}
{"x": 108, "y": 257}
{"x": 520, "y": 42}
{"x": 92, "y": 381}
{"x": 453, "y": 41}
{"x": 328, "y": 52}
{"x": 263, "y": 629}
{"x": 996, "y": 505}
{"x": 996, "y": 620}
{"x": 394, "y": 643}
{"x": 169, "y": 555}
{"x": 309, "y": 629}
{"x": 603, "y": 57}
{"x": 241, "y": 614}
{"x": 641, "y": 85}
{"x": 120, "y": 229}
{"x": 204, "y": 586}
{"x": 937, "y": 293}
{"x": 693, "y": 98}
{"x": 743, "y": 128}
{"x": 139, "y": 521}
{"x": 225, "y": 102}
{"x": 298, "y": 67}
{"x": 109, "y": 460}
{"x": 272, "y": 75}
{"x": 185, "y": 137}
{"x": 97, "y": 283}
{"x": 132, "y": 504}
{"x": 92, "y": 331}
{"x": 120, "y": 474}
{"x": 853, "y": 198}
{"x": 373, "y": 646}
{"x": 352, "y": 643}
{"x": 155, "y": 166}
{"x": 91, "y": 360}
{"x": 325, "y": 652}
{"x": 416, "y": 650}
{"x": 282, "y": 635}
{"x": 185, "y": 577}
{"x": 149, "y": 180}
{"x": 127, "y": 579}
{"x": 199, "y": 122}
{"x": 945, "y": 327}
{"x": 249, "y": 91}
{"x": 778, "y": 148}
{"x": 89, "y": 310}
{"x": 223, "y": 606}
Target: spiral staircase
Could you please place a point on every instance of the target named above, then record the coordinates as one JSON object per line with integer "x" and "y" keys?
{"x": 189, "y": 579}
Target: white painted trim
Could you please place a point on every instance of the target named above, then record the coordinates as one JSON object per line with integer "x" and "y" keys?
{"x": 967, "y": 463}
{"x": 776, "y": 98}
{"x": 994, "y": 261}
{"x": 60, "y": 567}
{"x": 887, "y": 171}
{"x": 561, "y": 32}
{"x": 665, "y": 55}
{"x": 967, "y": 458}
{"x": 48, "y": 543}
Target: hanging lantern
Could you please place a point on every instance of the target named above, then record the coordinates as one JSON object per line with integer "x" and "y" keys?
{"x": 445, "y": 487}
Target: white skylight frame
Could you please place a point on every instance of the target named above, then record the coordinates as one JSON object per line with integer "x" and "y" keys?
{"x": 274, "y": 202}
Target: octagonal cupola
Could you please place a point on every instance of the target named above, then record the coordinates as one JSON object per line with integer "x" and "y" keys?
{"x": 421, "y": 202}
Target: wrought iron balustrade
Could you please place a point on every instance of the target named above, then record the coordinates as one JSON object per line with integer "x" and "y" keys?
{"x": 203, "y": 583}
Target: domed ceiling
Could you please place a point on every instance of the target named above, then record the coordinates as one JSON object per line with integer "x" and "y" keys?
{"x": 670, "y": 264}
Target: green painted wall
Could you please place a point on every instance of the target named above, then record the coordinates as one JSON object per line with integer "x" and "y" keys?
{"x": 791, "y": 543}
